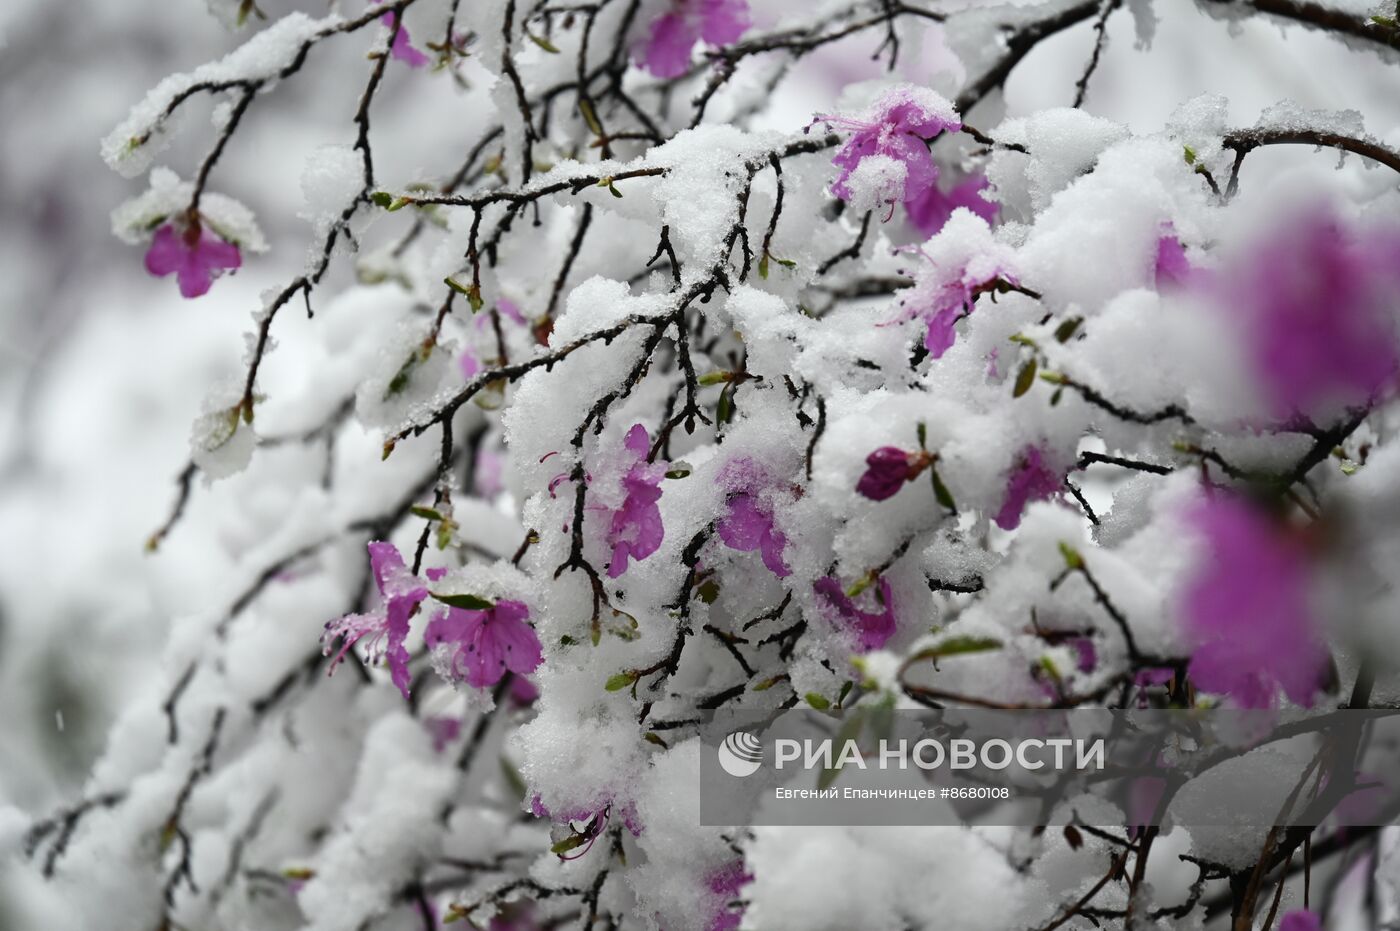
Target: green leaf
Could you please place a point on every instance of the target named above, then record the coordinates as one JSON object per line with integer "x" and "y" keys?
{"x": 1025, "y": 378}
{"x": 860, "y": 585}
{"x": 850, "y": 730}
{"x": 543, "y": 43}
{"x": 572, "y": 842}
{"x": 845, "y": 690}
{"x": 715, "y": 378}
{"x": 956, "y": 646}
{"x": 941, "y": 494}
{"x": 612, "y": 189}
{"x": 1189, "y": 154}
{"x": 381, "y": 198}
{"x": 620, "y": 681}
{"x": 708, "y": 591}
{"x": 401, "y": 377}
{"x": 923, "y": 435}
{"x": 513, "y": 779}
{"x": 1073, "y": 559}
{"x": 679, "y": 469}
{"x": 817, "y": 701}
{"x": 426, "y": 513}
{"x": 466, "y": 602}
{"x": 591, "y": 118}
{"x": 763, "y": 267}
{"x": 1067, "y": 329}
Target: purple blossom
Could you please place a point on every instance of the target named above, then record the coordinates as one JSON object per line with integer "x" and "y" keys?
{"x": 483, "y": 645}
{"x": 1316, "y": 306}
{"x": 1173, "y": 268}
{"x": 931, "y": 209}
{"x": 666, "y": 52}
{"x": 872, "y": 629}
{"x": 749, "y": 526}
{"x": 944, "y": 293}
{"x": 887, "y": 469}
{"x": 403, "y": 49}
{"x": 725, "y": 883}
{"x": 443, "y": 730}
{"x": 1033, "y": 479}
{"x": 898, "y": 126}
{"x": 1245, "y": 607}
{"x": 194, "y": 255}
{"x": 387, "y": 630}
{"x": 1300, "y": 919}
{"x": 636, "y": 530}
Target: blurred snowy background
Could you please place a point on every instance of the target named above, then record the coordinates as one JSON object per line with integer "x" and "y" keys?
{"x": 102, "y": 368}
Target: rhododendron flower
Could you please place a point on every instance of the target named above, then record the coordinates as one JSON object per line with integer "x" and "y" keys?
{"x": 636, "y": 531}
{"x": 402, "y": 591}
{"x": 897, "y": 127}
{"x": 666, "y": 52}
{"x": 1300, "y": 919}
{"x": 931, "y": 209}
{"x": 1032, "y": 479}
{"x": 1173, "y": 268}
{"x": 1245, "y": 606}
{"x": 887, "y": 469}
{"x": 725, "y": 883}
{"x": 193, "y": 254}
{"x": 403, "y": 49}
{"x": 1316, "y": 303}
{"x": 443, "y": 730}
{"x": 872, "y": 629}
{"x": 962, "y": 262}
{"x": 478, "y": 647}
{"x": 748, "y": 521}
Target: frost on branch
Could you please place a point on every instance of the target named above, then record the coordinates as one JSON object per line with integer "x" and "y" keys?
{"x": 662, "y": 396}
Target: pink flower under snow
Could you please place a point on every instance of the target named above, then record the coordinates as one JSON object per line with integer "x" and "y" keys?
{"x": 1315, "y": 301}
{"x": 402, "y": 591}
{"x": 898, "y": 126}
{"x": 481, "y": 646}
{"x": 636, "y": 530}
{"x": 1172, "y": 269}
{"x": 1032, "y": 479}
{"x": 725, "y": 883}
{"x": 961, "y": 262}
{"x": 193, "y": 254}
{"x": 1245, "y": 607}
{"x": 872, "y": 629}
{"x": 748, "y": 523}
{"x": 666, "y": 51}
{"x": 931, "y": 209}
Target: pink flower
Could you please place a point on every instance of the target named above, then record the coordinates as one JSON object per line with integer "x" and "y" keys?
{"x": 1300, "y": 920}
{"x": 1245, "y": 606}
{"x": 482, "y": 645}
{"x": 898, "y": 126}
{"x": 931, "y": 209}
{"x": 749, "y": 523}
{"x": 962, "y": 262}
{"x": 194, "y": 255}
{"x": 388, "y": 629}
{"x": 872, "y": 629}
{"x": 666, "y": 52}
{"x": 636, "y": 531}
{"x": 887, "y": 469}
{"x": 403, "y": 49}
{"x": 1316, "y": 304}
{"x": 443, "y": 730}
{"x": 1173, "y": 269}
{"x": 1032, "y": 479}
{"x": 725, "y": 883}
